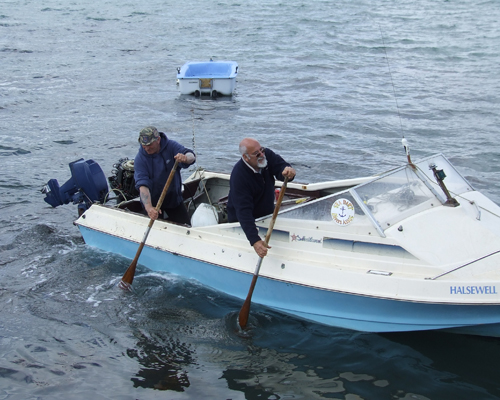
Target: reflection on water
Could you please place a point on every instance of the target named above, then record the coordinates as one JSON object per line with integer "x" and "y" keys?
{"x": 164, "y": 361}
{"x": 278, "y": 375}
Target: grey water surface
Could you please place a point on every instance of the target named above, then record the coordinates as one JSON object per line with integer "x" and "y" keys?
{"x": 333, "y": 86}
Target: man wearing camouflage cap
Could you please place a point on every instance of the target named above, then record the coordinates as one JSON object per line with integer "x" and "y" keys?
{"x": 152, "y": 166}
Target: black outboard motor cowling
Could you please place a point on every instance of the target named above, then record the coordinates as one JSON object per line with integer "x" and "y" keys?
{"x": 122, "y": 182}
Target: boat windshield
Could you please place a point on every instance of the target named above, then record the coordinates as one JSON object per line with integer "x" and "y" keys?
{"x": 394, "y": 197}
{"x": 407, "y": 191}
{"x": 387, "y": 199}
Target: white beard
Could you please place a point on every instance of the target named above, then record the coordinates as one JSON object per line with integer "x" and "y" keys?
{"x": 262, "y": 164}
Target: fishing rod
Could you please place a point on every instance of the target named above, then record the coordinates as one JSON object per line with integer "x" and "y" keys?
{"x": 194, "y": 144}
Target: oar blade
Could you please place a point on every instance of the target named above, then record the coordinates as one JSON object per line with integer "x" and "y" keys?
{"x": 125, "y": 286}
{"x": 128, "y": 277}
{"x": 245, "y": 308}
{"x": 244, "y": 314}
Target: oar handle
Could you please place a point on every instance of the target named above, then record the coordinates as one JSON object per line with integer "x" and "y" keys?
{"x": 273, "y": 220}
{"x": 276, "y": 210}
{"x": 129, "y": 274}
{"x": 167, "y": 185}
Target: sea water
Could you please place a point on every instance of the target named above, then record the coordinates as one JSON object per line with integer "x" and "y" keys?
{"x": 331, "y": 86}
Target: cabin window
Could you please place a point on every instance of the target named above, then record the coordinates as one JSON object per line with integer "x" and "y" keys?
{"x": 277, "y": 234}
{"x": 366, "y": 248}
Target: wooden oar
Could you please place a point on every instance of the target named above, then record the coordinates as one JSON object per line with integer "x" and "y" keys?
{"x": 128, "y": 276}
{"x": 245, "y": 309}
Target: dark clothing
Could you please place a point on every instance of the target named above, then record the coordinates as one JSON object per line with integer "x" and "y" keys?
{"x": 251, "y": 194}
{"x": 177, "y": 214}
{"x": 152, "y": 171}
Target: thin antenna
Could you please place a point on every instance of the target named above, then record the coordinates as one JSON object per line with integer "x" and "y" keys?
{"x": 194, "y": 144}
{"x": 392, "y": 81}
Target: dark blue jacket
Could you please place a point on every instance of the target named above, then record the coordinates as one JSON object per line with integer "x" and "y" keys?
{"x": 153, "y": 170}
{"x": 251, "y": 194}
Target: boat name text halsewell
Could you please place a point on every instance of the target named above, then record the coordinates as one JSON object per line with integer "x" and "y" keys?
{"x": 473, "y": 290}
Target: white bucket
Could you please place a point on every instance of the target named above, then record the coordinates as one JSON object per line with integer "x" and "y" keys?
{"x": 204, "y": 215}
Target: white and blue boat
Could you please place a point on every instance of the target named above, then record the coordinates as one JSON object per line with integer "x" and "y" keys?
{"x": 400, "y": 251}
{"x": 213, "y": 78}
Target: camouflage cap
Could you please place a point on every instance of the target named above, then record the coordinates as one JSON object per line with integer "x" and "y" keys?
{"x": 148, "y": 135}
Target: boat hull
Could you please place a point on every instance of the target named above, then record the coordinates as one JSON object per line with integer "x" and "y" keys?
{"x": 329, "y": 307}
{"x": 383, "y": 254}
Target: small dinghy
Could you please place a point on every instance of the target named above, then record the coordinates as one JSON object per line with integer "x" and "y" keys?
{"x": 213, "y": 78}
{"x": 399, "y": 251}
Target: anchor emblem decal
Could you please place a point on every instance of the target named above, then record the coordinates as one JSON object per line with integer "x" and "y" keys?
{"x": 342, "y": 212}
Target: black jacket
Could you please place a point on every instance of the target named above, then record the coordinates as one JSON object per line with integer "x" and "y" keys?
{"x": 251, "y": 194}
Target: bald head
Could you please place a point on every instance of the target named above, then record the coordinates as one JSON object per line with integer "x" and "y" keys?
{"x": 248, "y": 144}
{"x": 253, "y": 154}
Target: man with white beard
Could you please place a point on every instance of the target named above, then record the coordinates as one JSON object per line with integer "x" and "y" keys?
{"x": 251, "y": 188}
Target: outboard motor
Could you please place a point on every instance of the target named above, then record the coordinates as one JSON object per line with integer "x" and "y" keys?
{"x": 122, "y": 181}
{"x": 86, "y": 186}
